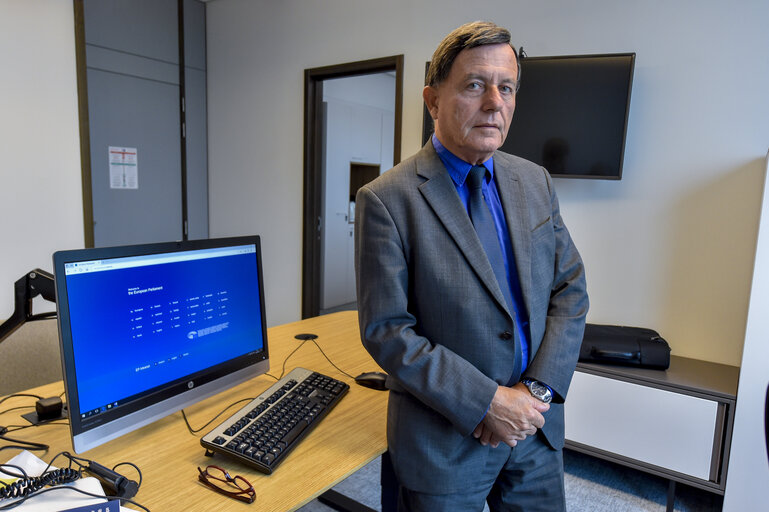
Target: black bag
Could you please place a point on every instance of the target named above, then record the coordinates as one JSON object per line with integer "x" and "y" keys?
{"x": 630, "y": 346}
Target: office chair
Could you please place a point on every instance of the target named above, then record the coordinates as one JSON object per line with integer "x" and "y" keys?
{"x": 29, "y": 343}
{"x": 30, "y": 357}
{"x": 766, "y": 422}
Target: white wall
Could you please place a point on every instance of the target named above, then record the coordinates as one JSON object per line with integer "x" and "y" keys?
{"x": 375, "y": 90}
{"x": 40, "y": 189}
{"x": 669, "y": 247}
{"x": 748, "y": 465}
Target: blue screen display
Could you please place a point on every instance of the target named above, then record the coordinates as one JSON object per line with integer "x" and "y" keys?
{"x": 140, "y": 323}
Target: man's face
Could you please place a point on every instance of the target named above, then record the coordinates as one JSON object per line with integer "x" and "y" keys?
{"x": 474, "y": 105}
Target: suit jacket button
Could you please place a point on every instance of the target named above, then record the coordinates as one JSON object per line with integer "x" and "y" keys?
{"x": 507, "y": 335}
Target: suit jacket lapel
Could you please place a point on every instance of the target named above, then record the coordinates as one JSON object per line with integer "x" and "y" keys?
{"x": 516, "y": 213}
{"x": 441, "y": 194}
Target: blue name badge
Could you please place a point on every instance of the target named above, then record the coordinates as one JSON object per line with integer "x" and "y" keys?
{"x": 107, "y": 506}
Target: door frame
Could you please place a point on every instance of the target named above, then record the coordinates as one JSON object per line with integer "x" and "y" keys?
{"x": 313, "y": 165}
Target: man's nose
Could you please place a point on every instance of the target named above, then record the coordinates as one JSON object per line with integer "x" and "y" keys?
{"x": 492, "y": 100}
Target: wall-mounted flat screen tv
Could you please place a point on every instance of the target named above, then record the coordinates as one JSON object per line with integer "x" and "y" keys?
{"x": 571, "y": 114}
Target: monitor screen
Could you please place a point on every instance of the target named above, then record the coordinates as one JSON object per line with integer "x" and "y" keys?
{"x": 146, "y": 330}
{"x": 571, "y": 114}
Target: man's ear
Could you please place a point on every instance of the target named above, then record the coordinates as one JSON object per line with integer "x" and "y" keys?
{"x": 430, "y": 95}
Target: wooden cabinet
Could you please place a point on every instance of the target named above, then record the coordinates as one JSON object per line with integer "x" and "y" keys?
{"x": 675, "y": 423}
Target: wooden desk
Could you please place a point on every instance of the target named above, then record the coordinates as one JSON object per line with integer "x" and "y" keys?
{"x": 350, "y": 436}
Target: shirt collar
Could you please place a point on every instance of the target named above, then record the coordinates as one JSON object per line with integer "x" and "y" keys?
{"x": 458, "y": 168}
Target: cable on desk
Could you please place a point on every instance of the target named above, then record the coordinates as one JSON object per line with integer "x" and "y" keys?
{"x": 330, "y": 361}
{"x": 283, "y": 371}
{"x": 305, "y": 340}
{"x": 21, "y": 473}
{"x": 138, "y": 471}
{"x": 23, "y": 445}
{"x": 30, "y": 487}
{"x": 195, "y": 431}
{"x": 13, "y": 428}
{"x": 17, "y": 408}
{"x": 61, "y": 421}
{"x": 16, "y": 395}
{"x": 67, "y": 487}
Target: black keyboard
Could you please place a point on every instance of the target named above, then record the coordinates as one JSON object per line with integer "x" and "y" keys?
{"x": 262, "y": 433}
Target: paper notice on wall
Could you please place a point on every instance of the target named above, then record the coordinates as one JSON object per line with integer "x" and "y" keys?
{"x": 123, "y": 168}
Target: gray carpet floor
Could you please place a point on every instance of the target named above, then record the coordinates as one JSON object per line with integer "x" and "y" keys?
{"x": 592, "y": 485}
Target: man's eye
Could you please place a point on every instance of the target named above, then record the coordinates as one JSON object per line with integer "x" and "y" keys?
{"x": 506, "y": 89}
{"x": 474, "y": 86}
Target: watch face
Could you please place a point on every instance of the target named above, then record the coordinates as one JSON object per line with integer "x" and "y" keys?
{"x": 540, "y": 391}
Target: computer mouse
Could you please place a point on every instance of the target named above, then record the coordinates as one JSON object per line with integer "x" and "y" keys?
{"x": 373, "y": 380}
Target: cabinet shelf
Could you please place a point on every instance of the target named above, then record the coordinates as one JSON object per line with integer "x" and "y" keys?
{"x": 675, "y": 423}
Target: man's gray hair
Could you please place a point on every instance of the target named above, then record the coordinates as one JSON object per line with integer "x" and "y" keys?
{"x": 469, "y": 35}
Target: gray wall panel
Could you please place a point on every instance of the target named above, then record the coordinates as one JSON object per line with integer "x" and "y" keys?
{"x": 197, "y": 154}
{"x": 141, "y": 27}
{"x": 143, "y": 114}
{"x": 128, "y": 64}
{"x": 133, "y": 78}
{"x": 195, "y": 34}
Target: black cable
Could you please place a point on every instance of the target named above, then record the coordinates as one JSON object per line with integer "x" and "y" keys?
{"x": 138, "y": 471}
{"x": 17, "y": 408}
{"x": 283, "y": 371}
{"x": 20, "y": 406}
{"x": 195, "y": 431}
{"x": 83, "y": 464}
{"x": 22, "y": 473}
{"x": 21, "y": 448}
{"x": 44, "y": 422}
{"x": 330, "y": 361}
{"x": 58, "y": 421}
{"x": 24, "y": 445}
{"x": 28, "y": 486}
{"x": 65, "y": 487}
{"x": 16, "y": 395}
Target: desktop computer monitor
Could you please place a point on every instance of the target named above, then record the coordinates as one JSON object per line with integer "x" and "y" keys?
{"x": 146, "y": 330}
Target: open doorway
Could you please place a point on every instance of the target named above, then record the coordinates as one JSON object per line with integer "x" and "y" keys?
{"x": 359, "y": 113}
{"x": 369, "y": 142}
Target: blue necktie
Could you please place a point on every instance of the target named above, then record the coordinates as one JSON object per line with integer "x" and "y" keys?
{"x": 480, "y": 214}
{"x": 484, "y": 225}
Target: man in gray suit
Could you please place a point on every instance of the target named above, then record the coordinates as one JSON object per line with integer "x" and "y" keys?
{"x": 471, "y": 296}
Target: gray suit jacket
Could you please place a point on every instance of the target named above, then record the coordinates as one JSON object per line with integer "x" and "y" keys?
{"x": 434, "y": 318}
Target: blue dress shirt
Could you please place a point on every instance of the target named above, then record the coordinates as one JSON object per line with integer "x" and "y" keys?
{"x": 458, "y": 170}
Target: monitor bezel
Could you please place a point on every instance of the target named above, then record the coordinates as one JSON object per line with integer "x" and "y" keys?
{"x": 87, "y": 433}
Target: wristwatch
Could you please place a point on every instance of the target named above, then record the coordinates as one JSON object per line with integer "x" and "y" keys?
{"x": 538, "y": 390}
